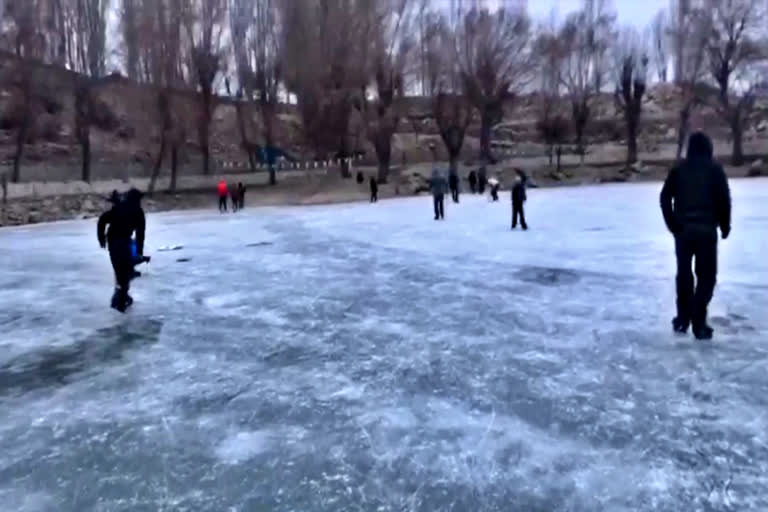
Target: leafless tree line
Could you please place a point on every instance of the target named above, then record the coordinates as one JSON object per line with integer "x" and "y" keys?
{"x": 348, "y": 64}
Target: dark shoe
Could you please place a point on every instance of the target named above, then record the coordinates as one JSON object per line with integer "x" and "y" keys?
{"x": 120, "y": 301}
{"x": 704, "y": 332}
{"x": 135, "y": 274}
{"x": 437, "y": 218}
{"x": 679, "y": 326}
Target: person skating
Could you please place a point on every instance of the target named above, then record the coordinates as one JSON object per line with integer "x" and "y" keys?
{"x": 223, "y": 191}
{"x": 453, "y": 184}
{"x": 241, "y": 195}
{"x": 482, "y": 180}
{"x": 374, "y": 190}
{"x": 473, "y": 181}
{"x": 438, "y": 187}
{"x": 518, "y": 201}
{"x": 695, "y": 201}
{"x": 495, "y": 186}
{"x": 115, "y": 230}
{"x": 234, "y": 195}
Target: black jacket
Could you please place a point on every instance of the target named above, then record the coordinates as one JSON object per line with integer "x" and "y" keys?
{"x": 518, "y": 193}
{"x": 696, "y": 192}
{"x": 124, "y": 219}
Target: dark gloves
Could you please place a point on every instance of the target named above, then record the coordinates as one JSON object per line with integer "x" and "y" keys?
{"x": 726, "y": 232}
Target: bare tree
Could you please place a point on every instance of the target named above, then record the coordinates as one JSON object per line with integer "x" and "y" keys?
{"x": 660, "y": 31}
{"x": 578, "y": 75}
{"x": 494, "y": 57}
{"x": 733, "y": 52}
{"x": 696, "y": 27}
{"x": 326, "y": 45}
{"x": 160, "y": 49}
{"x": 204, "y": 23}
{"x": 632, "y": 67}
{"x": 389, "y": 55}
{"x": 130, "y": 25}
{"x": 23, "y": 36}
{"x": 600, "y": 20}
{"x": 551, "y": 124}
{"x": 88, "y": 39}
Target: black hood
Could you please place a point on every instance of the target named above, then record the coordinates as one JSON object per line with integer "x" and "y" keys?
{"x": 700, "y": 147}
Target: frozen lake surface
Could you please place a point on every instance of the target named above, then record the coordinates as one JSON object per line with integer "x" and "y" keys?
{"x": 365, "y": 357}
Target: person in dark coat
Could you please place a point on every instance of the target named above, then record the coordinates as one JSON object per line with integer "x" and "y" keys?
{"x": 115, "y": 230}
{"x": 241, "y": 195}
{"x": 518, "y": 201}
{"x": 374, "y": 190}
{"x": 695, "y": 201}
{"x": 453, "y": 184}
{"x": 438, "y": 186}
{"x": 235, "y": 198}
{"x": 473, "y": 181}
{"x": 482, "y": 180}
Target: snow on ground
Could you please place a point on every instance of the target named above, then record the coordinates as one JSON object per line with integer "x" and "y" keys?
{"x": 366, "y": 357}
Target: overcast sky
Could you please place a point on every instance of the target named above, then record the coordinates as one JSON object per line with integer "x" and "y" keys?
{"x": 630, "y": 12}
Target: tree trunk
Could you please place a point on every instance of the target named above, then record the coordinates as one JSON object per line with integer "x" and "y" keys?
{"x": 559, "y": 156}
{"x": 21, "y": 137}
{"x": 737, "y": 157}
{"x": 383, "y": 174}
{"x": 204, "y": 134}
{"x": 550, "y": 154}
{"x": 174, "y": 167}
{"x": 486, "y": 124}
{"x": 85, "y": 145}
{"x": 682, "y": 131}
{"x": 252, "y": 160}
{"x": 453, "y": 163}
{"x": 272, "y": 175}
{"x": 631, "y": 143}
{"x": 4, "y": 181}
{"x": 158, "y": 165}
{"x": 206, "y": 159}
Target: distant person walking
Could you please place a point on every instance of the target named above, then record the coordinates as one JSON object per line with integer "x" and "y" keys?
{"x": 495, "y": 186}
{"x": 518, "y": 201}
{"x": 374, "y": 190}
{"x": 695, "y": 201}
{"x": 482, "y": 180}
{"x": 453, "y": 184}
{"x": 473, "y": 181}
{"x": 235, "y": 196}
{"x": 438, "y": 185}
{"x": 223, "y": 192}
{"x": 241, "y": 195}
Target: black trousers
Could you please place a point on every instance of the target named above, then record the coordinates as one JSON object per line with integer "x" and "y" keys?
{"x": 699, "y": 245}
{"x": 374, "y": 196}
{"x": 439, "y": 206}
{"x": 455, "y": 194}
{"x": 122, "y": 263}
{"x": 518, "y": 212}
{"x": 222, "y": 203}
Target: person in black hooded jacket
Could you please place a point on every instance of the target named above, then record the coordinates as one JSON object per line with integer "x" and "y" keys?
{"x": 695, "y": 201}
{"x": 115, "y": 230}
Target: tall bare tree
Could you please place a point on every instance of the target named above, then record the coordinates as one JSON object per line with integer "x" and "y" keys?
{"x": 160, "y": 50}
{"x": 494, "y": 57}
{"x": 631, "y": 83}
{"x": 551, "y": 49}
{"x": 660, "y": 33}
{"x": 88, "y": 40}
{"x": 600, "y": 19}
{"x": 733, "y": 51}
{"x": 205, "y": 24}
{"x": 325, "y": 47}
{"x": 696, "y": 27}
{"x": 389, "y": 55}
{"x": 578, "y": 75}
{"x": 23, "y": 36}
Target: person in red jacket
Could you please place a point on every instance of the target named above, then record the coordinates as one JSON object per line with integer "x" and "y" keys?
{"x": 223, "y": 195}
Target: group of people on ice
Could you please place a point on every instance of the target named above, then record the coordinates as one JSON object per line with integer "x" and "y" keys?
{"x": 236, "y": 194}
{"x": 695, "y": 201}
{"x": 439, "y": 186}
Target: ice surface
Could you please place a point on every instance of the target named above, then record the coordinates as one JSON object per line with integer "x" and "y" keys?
{"x": 366, "y": 357}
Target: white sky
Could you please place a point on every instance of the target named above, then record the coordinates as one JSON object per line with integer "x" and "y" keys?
{"x": 630, "y": 12}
